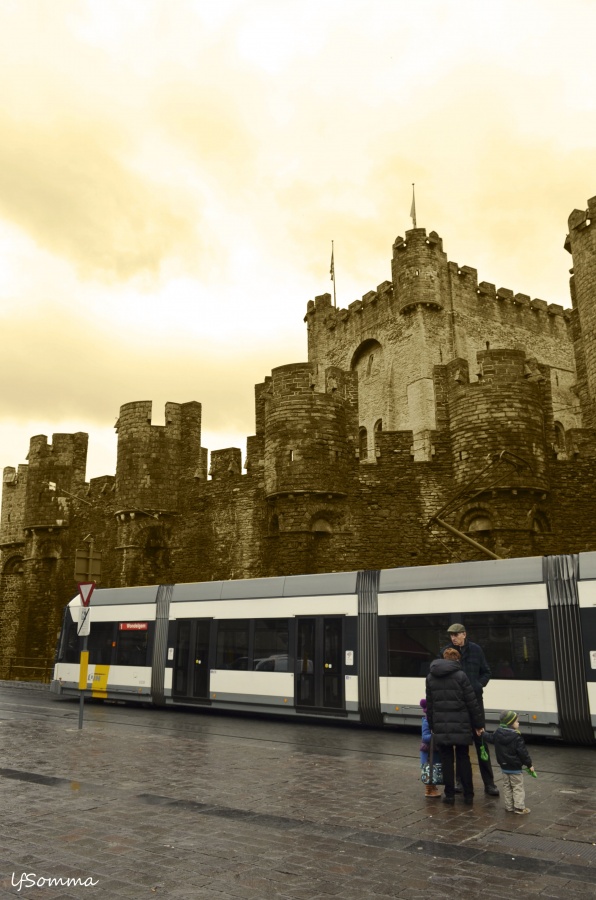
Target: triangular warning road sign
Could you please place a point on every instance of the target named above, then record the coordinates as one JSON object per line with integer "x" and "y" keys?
{"x": 86, "y": 588}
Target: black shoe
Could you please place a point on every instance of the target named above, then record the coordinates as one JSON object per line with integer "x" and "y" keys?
{"x": 458, "y": 788}
{"x": 469, "y": 800}
{"x": 450, "y": 800}
{"x": 491, "y": 789}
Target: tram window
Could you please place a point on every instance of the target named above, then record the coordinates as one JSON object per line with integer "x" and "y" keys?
{"x": 132, "y": 648}
{"x": 101, "y": 637}
{"x": 232, "y": 644}
{"x": 509, "y": 641}
{"x": 69, "y": 650}
{"x": 271, "y": 645}
{"x": 413, "y": 642}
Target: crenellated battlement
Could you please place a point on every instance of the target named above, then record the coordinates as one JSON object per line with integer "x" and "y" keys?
{"x": 62, "y": 447}
{"x": 420, "y": 279}
{"x": 135, "y": 419}
{"x": 467, "y": 278}
{"x": 375, "y": 300}
{"x": 153, "y": 459}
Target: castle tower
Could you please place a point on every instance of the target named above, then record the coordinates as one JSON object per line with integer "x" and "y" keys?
{"x": 310, "y": 465}
{"x": 54, "y": 472}
{"x": 309, "y": 435}
{"x": 12, "y": 517}
{"x": 39, "y": 503}
{"x": 152, "y": 459}
{"x": 581, "y": 243}
{"x": 419, "y": 270}
{"x": 421, "y": 290}
{"x": 156, "y": 464}
{"x": 501, "y": 418}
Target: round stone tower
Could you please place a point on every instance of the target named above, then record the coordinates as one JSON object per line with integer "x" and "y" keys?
{"x": 581, "y": 243}
{"x": 152, "y": 458}
{"x": 308, "y": 439}
{"x": 502, "y": 411}
{"x": 419, "y": 268}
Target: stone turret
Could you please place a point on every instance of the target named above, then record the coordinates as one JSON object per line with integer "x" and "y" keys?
{"x": 55, "y": 471}
{"x": 152, "y": 459}
{"x": 309, "y": 435}
{"x": 419, "y": 269}
{"x": 501, "y": 411}
{"x": 581, "y": 243}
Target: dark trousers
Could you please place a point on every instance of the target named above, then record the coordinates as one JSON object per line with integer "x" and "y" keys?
{"x": 464, "y": 767}
{"x": 485, "y": 766}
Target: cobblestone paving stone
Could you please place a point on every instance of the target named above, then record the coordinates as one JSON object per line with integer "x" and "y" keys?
{"x": 187, "y": 805}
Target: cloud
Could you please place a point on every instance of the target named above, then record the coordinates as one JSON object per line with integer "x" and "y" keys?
{"x": 58, "y": 365}
{"x": 172, "y": 175}
{"x": 66, "y": 186}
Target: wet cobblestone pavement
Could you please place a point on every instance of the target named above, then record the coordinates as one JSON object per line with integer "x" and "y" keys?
{"x": 150, "y": 803}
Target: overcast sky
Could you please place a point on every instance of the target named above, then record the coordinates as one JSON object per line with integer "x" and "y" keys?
{"x": 172, "y": 173}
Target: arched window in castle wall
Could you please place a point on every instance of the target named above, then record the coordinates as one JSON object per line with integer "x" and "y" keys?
{"x": 321, "y": 526}
{"x": 378, "y": 427}
{"x": 560, "y": 441}
{"x": 540, "y": 524}
{"x": 478, "y": 521}
{"x": 14, "y": 566}
{"x": 363, "y": 443}
{"x": 367, "y": 358}
{"x": 368, "y": 364}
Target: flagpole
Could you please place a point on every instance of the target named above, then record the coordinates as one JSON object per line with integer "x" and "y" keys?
{"x": 332, "y": 273}
{"x": 413, "y": 207}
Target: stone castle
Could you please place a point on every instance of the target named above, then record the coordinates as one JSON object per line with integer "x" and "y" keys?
{"x": 439, "y": 418}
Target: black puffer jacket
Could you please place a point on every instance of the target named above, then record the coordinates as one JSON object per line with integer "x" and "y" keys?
{"x": 510, "y": 749}
{"x": 452, "y": 708}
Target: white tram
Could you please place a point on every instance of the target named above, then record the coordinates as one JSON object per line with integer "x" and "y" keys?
{"x": 353, "y": 645}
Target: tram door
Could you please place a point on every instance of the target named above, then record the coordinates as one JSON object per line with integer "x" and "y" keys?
{"x": 319, "y": 658}
{"x": 191, "y": 659}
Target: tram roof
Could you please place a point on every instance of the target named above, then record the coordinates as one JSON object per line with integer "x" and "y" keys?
{"x": 526, "y": 570}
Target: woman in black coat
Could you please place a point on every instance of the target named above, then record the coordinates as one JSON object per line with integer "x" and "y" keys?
{"x": 453, "y": 711}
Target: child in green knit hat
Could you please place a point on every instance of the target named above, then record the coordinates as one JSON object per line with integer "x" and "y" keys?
{"x": 512, "y": 755}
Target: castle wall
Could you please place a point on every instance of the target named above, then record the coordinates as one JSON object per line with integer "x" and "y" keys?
{"x": 418, "y": 321}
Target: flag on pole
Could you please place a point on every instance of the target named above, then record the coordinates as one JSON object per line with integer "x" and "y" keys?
{"x": 413, "y": 208}
{"x": 332, "y": 273}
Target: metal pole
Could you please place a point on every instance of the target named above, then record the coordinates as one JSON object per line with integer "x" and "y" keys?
{"x": 83, "y": 666}
{"x": 84, "y": 662}
{"x": 465, "y": 537}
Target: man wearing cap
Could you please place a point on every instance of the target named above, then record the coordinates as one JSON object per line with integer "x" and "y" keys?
{"x": 474, "y": 664}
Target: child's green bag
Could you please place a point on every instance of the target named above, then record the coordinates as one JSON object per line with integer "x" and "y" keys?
{"x": 483, "y": 752}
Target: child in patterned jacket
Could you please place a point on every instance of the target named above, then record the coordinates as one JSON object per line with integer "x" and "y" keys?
{"x": 431, "y": 790}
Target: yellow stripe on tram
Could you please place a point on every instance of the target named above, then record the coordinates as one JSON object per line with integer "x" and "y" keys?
{"x": 99, "y": 685}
